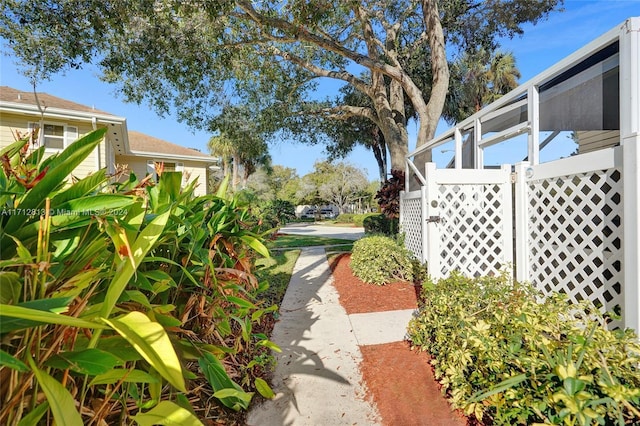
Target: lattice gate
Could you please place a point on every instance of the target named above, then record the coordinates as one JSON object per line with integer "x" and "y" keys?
{"x": 412, "y": 217}
{"x": 468, "y": 221}
{"x": 570, "y": 232}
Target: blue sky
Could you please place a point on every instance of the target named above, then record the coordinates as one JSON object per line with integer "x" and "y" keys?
{"x": 539, "y": 48}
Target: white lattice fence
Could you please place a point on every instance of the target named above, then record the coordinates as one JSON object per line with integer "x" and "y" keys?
{"x": 574, "y": 228}
{"x": 411, "y": 222}
{"x": 470, "y": 227}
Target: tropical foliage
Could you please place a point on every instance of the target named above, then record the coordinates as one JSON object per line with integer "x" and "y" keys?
{"x": 381, "y": 260}
{"x": 380, "y": 224}
{"x": 388, "y": 195}
{"x": 505, "y": 358}
{"x": 190, "y": 56}
{"x": 123, "y": 301}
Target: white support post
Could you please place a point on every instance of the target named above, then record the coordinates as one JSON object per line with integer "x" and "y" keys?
{"x": 423, "y": 223}
{"x": 507, "y": 216}
{"x": 533, "y": 113}
{"x": 521, "y": 223}
{"x": 630, "y": 140}
{"x": 431, "y": 234}
{"x": 457, "y": 148}
{"x": 478, "y": 160}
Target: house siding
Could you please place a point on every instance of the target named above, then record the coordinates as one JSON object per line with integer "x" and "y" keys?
{"x": 192, "y": 169}
{"x": 597, "y": 139}
{"x": 10, "y": 123}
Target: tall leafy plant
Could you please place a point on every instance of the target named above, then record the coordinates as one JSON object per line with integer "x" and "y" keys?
{"x": 103, "y": 284}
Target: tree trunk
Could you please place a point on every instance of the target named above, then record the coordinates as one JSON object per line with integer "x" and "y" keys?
{"x": 379, "y": 149}
{"x": 234, "y": 179}
{"x": 440, "y": 69}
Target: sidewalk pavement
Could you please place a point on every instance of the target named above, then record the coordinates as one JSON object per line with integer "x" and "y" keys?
{"x": 317, "y": 380}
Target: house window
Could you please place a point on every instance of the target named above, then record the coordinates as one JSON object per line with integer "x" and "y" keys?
{"x": 168, "y": 167}
{"x": 55, "y": 135}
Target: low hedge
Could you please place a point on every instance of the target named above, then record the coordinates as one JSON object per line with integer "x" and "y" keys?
{"x": 380, "y": 260}
{"x": 345, "y": 218}
{"x": 505, "y": 358}
{"x": 358, "y": 219}
{"x": 380, "y": 224}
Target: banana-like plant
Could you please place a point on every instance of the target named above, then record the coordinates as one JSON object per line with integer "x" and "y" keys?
{"x": 109, "y": 291}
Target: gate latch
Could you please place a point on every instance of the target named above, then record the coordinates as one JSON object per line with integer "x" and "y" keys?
{"x": 433, "y": 219}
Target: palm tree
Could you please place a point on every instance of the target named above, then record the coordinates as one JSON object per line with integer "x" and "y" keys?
{"x": 223, "y": 147}
{"x": 502, "y": 75}
{"x": 479, "y": 78}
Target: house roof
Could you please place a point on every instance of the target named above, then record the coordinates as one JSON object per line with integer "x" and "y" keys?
{"x": 148, "y": 146}
{"x": 124, "y": 142}
{"x": 24, "y": 103}
{"x": 9, "y": 94}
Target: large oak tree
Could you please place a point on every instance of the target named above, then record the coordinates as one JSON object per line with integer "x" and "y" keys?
{"x": 193, "y": 56}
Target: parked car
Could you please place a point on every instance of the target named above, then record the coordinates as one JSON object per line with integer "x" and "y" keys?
{"x": 328, "y": 214}
{"x": 309, "y": 214}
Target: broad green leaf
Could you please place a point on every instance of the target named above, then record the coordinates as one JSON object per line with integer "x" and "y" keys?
{"x": 171, "y": 184}
{"x": 263, "y": 388}
{"x": 59, "y": 168}
{"x": 12, "y": 362}
{"x": 9, "y": 287}
{"x": 119, "y": 347}
{"x": 119, "y": 374}
{"x": 152, "y": 342}
{"x": 573, "y": 385}
{"x": 222, "y": 189}
{"x": 76, "y": 284}
{"x": 39, "y": 312}
{"x": 500, "y": 387}
{"x": 60, "y": 400}
{"x": 241, "y": 398}
{"x": 269, "y": 344}
{"x": 243, "y": 303}
{"x": 125, "y": 270}
{"x": 33, "y": 418}
{"x": 162, "y": 280}
{"x": 174, "y": 263}
{"x": 226, "y": 390}
{"x": 23, "y": 253}
{"x": 14, "y": 148}
{"x": 167, "y": 320}
{"x": 89, "y": 361}
{"x": 134, "y": 219}
{"x": 255, "y": 244}
{"x": 169, "y": 414}
{"x": 95, "y": 205}
{"x": 80, "y": 188}
{"x": 137, "y": 296}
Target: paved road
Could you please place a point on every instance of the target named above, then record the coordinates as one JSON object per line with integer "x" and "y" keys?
{"x": 346, "y": 233}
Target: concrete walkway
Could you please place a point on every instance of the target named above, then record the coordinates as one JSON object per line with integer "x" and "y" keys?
{"x": 317, "y": 379}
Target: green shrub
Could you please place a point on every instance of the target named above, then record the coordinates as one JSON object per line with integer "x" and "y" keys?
{"x": 277, "y": 213}
{"x": 380, "y": 260}
{"x": 380, "y": 224}
{"x": 506, "y": 358}
{"x": 358, "y": 219}
{"x": 345, "y": 218}
{"x": 153, "y": 279}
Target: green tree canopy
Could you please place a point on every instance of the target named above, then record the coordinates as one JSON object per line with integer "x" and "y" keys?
{"x": 275, "y": 183}
{"x": 196, "y": 56}
{"x": 339, "y": 184}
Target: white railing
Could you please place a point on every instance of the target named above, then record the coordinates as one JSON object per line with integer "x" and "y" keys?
{"x": 569, "y": 236}
{"x": 411, "y": 219}
{"x": 576, "y": 220}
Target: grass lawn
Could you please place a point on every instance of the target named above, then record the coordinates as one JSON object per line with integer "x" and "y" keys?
{"x": 277, "y": 271}
{"x": 290, "y": 241}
